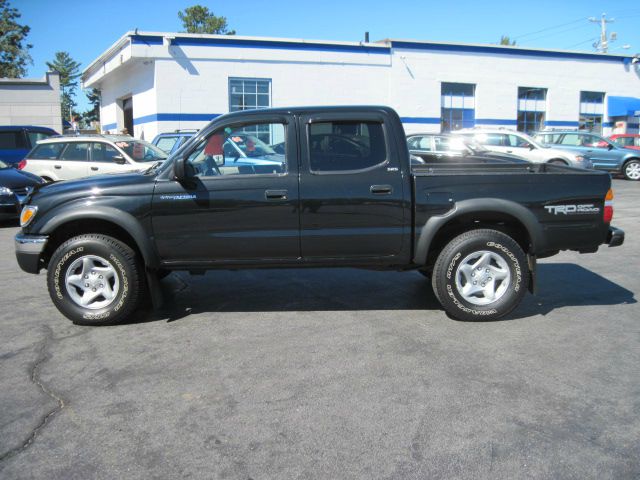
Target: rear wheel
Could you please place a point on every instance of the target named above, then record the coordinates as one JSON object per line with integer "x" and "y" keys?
{"x": 631, "y": 170}
{"x": 480, "y": 275}
{"x": 95, "y": 280}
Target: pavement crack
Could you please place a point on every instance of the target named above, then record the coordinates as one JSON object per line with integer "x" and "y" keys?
{"x": 34, "y": 376}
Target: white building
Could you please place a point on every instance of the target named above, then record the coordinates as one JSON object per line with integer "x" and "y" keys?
{"x": 158, "y": 82}
{"x": 30, "y": 101}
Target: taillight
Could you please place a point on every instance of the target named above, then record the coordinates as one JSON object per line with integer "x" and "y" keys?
{"x": 608, "y": 207}
{"x": 21, "y": 164}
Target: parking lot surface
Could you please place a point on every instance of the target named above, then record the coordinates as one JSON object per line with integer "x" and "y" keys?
{"x": 330, "y": 374}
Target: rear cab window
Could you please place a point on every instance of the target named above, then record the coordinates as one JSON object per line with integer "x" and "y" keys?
{"x": 346, "y": 146}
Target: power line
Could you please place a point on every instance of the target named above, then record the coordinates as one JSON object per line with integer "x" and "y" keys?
{"x": 580, "y": 43}
{"x": 549, "y": 28}
{"x": 556, "y": 33}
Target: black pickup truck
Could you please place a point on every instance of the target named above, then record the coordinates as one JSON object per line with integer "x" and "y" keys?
{"x": 310, "y": 187}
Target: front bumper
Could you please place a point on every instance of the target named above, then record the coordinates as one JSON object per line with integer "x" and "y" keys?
{"x": 615, "y": 237}
{"x": 29, "y": 249}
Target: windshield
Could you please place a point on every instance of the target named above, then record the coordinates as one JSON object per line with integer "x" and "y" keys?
{"x": 141, "y": 151}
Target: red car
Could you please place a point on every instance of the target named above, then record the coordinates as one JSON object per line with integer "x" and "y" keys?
{"x": 626, "y": 140}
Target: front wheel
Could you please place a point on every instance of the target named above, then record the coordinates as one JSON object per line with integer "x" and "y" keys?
{"x": 632, "y": 170}
{"x": 95, "y": 280}
{"x": 480, "y": 275}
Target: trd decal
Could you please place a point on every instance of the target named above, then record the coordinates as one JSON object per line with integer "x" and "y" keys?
{"x": 572, "y": 209}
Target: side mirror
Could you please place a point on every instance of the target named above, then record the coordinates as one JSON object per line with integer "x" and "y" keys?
{"x": 178, "y": 168}
{"x": 119, "y": 159}
{"x": 531, "y": 146}
{"x": 610, "y": 146}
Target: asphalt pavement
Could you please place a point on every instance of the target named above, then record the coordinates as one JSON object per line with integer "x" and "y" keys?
{"x": 330, "y": 374}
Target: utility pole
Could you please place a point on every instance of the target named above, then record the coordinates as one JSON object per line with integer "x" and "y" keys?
{"x": 602, "y": 45}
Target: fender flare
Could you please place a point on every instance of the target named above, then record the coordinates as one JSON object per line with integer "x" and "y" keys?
{"x": 430, "y": 229}
{"x": 122, "y": 219}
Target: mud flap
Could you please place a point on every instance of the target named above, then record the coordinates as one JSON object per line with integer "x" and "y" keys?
{"x": 155, "y": 290}
{"x": 533, "y": 265}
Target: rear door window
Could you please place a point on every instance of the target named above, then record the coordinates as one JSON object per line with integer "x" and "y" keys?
{"x": 48, "y": 151}
{"x": 76, "y": 152}
{"x": 341, "y": 146}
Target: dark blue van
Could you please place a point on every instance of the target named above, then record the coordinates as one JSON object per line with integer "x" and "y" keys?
{"x": 17, "y": 140}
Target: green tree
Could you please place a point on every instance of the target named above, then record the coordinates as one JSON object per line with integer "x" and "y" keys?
{"x": 69, "y": 71}
{"x": 199, "y": 19}
{"x": 93, "y": 114}
{"x": 505, "y": 40}
{"x": 14, "y": 53}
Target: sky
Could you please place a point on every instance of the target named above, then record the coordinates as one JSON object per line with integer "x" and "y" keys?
{"x": 86, "y": 28}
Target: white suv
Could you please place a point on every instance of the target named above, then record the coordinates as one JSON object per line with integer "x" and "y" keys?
{"x": 69, "y": 157}
{"x": 524, "y": 146}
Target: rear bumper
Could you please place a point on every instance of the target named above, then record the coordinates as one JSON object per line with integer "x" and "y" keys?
{"x": 29, "y": 249}
{"x": 615, "y": 237}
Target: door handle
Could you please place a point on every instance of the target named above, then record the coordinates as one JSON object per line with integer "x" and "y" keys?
{"x": 94, "y": 168}
{"x": 275, "y": 194}
{"x": 509, "y": 151}
{"x": 381, "y": 189}
{"x": 57, "y": 167}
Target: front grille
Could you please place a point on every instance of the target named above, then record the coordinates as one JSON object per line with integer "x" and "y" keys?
{"x": 22, "y": 191}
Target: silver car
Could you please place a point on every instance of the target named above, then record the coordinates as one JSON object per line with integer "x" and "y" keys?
{"x": 522, "y": 145}
{"x": 76, "y": 156}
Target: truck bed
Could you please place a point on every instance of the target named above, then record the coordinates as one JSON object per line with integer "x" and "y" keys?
{"x": 519, "y": 194}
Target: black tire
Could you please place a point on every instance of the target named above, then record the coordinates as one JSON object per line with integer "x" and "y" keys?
{"x": 454, "y": 266}
{"x": 630, "y": 170}
{"x": 103, "y": 254}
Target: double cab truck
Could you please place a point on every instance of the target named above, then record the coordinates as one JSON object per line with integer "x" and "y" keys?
{"x": 338, "y": 191}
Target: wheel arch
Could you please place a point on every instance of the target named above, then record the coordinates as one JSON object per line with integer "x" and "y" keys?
{"x": 508, "y": 217}
{"x": 105, "y": 220}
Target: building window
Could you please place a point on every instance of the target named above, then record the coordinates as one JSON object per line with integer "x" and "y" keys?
{"x": 457, "y": 106}
{"x": 591, "y": 111}
{"x": 251, "y": 94}
{"x": 532, "y": 108}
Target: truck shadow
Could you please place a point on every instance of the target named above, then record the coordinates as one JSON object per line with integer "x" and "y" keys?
{"x": 559, "y": 285}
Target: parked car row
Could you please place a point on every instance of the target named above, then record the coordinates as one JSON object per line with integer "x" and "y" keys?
{"x": 32, "y": 155}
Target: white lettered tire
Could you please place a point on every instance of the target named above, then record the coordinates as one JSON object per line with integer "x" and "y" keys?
{"x": 480, "y": 275}
{"x": 95, "y": 279}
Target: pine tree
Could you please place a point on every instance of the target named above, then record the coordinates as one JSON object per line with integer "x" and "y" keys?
{"x": 14, "y": 53}
{"x": 198, "y": 19}
{"x": 69, "y": 71}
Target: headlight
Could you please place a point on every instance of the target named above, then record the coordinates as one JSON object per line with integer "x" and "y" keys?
{"x": 579, "y": 158}
{"x": 5, "y": 191}
{"x": 28, "y": 212}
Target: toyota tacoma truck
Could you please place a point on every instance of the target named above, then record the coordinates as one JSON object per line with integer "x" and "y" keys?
{"x": 338, "y": 191}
